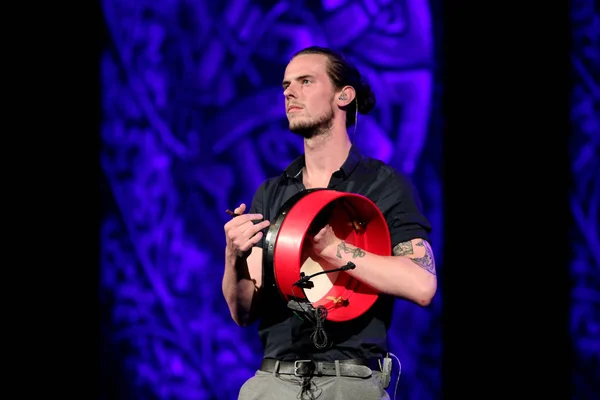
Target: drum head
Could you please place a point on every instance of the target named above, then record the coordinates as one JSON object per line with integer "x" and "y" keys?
{"x": 355, "y": 219}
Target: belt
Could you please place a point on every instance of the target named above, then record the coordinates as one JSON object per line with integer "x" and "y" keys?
{"x": 303, "y": 368}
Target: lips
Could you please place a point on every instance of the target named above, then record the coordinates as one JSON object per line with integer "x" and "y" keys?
{"x": 294, "y": 108}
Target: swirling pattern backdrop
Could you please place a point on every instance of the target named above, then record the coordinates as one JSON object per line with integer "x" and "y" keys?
{"x": 585, "y": 197}
{"x": 193, "y": 121}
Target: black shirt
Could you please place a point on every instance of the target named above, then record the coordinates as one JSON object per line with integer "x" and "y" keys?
{"x": 283, "y": 334}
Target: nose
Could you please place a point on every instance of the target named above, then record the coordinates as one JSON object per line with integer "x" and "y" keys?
{"x": 289, "y": 92}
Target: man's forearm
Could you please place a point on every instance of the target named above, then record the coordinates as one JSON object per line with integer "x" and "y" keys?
{"x": 399, "y": 276}
{"x": 238, "y": 288}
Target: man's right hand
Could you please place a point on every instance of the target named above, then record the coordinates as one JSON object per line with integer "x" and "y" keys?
{"x": 241, "y": 233}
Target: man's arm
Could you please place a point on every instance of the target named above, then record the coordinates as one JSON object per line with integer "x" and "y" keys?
{"x": 409, "y": 273}
{"x": 242, "y": 280}
{"x": 242, "y": 276}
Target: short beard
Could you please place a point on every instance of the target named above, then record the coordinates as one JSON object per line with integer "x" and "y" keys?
{"x": 314, "y": 128}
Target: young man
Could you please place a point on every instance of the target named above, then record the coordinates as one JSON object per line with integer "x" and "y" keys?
{"x": 323, "y": 95}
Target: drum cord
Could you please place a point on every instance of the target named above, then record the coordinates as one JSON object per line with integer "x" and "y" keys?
{"x": 319, "y": 336}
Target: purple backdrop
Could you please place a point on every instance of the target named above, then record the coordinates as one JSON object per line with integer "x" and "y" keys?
{"x": 584, "y": 197}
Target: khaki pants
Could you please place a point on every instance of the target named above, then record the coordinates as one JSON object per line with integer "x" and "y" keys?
{"x": 272, "y": 386}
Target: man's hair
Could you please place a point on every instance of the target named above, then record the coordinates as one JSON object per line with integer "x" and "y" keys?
{"x": 343, "y": 73}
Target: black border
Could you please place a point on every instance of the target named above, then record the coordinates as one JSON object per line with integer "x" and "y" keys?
{"x": 506, "y": 172}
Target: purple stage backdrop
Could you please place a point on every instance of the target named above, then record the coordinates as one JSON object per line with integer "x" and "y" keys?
{"x": 193, "y": 121}
{"x": 585, "y": 198}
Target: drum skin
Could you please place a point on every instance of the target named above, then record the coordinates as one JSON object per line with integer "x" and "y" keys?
{"x": 354, "y": 218}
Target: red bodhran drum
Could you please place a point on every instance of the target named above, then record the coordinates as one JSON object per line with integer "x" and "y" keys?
{"x": 355, "y": 219}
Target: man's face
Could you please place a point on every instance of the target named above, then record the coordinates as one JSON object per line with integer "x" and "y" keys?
{"x": 308, "y": 95}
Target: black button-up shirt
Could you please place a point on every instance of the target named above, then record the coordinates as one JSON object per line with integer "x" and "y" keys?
{"x": 283, "y": 335}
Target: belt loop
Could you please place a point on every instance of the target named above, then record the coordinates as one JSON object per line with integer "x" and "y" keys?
{"x": 337, "y": 368}
{"x": 276, "y": 368}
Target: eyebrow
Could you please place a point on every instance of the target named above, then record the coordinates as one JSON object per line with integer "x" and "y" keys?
{"x": 287, "y": 82}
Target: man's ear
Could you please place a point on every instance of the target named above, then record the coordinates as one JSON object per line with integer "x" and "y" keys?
{"x": 345, "y": 96}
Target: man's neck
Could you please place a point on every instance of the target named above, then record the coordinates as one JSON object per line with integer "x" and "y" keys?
{"x": 324, "y": 155}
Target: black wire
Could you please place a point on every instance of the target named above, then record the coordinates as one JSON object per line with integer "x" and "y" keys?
{"x": 319, "y": 336}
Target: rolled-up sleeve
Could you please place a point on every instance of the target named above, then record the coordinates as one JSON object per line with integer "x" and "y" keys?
{"x": 401, "y": 207}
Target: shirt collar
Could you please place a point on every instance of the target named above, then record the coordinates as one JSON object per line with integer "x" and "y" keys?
{"x": 294, "y": 169}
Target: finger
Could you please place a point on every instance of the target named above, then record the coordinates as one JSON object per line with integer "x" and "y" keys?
{"x": 247, "y": 220}
{"x": 241, "y": 233}
{"x": 248, "y": 244}
{"x": 242, "y": 219}
{"x": 254, "y": 228}
{"x": 240, "y": 210}
{"x": 255, "y": 239}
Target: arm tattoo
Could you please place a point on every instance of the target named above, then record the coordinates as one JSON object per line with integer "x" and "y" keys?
{"x": 356, "y": 252}
{"x": 426, "y": 262}
{"x": 403, "y": 249}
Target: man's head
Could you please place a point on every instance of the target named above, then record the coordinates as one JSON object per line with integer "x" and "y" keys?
{"x": 321, "y": 89}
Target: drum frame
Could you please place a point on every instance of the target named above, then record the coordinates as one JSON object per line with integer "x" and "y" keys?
{"x": 349, "y": 297}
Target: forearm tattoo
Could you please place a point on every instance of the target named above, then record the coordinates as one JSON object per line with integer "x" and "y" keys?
{"x": 355, "y": 251}
{"x": 426, "y": 262}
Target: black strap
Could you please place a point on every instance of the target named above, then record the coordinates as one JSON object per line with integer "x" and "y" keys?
{"x": 302, "y": 368}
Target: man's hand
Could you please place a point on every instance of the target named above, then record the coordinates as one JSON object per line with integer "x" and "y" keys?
{"x": 241, "y": 233}
{"x": 324, "y": 239}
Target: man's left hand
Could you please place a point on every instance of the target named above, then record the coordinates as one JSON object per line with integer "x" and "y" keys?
{"x": 322, "y": 240}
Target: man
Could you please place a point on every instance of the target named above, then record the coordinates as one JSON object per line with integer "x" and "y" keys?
{"x": 323, "y": 95}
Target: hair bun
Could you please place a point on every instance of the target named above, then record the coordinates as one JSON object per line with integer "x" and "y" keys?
{"x": 366, "y": 98}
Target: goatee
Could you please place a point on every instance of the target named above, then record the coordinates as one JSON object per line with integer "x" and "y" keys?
{"x": 311, "y": 129}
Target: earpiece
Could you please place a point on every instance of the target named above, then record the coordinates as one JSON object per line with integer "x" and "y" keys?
{"x": 343, "y": 97}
